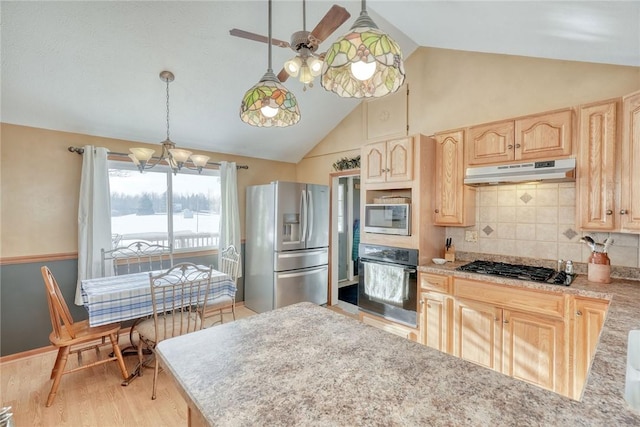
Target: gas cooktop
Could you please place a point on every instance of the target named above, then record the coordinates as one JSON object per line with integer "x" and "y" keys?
{"x": 518, "y": 271}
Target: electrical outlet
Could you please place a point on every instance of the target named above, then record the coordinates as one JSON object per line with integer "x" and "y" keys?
{"x": 470, "y": 236}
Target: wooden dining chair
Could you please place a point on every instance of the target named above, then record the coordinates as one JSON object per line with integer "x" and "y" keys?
{"x": 67, "y": 334}
{"x": 135, "y": 258}
{"x": 179, "y": 296}
{"x": 229, "y": 265}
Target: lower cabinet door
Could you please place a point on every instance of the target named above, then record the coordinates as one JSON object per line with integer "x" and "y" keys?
{"x": 434, "y": 320}
{"x": 588, "y": 319}
{"x": 477, "y": 333}
{"x": 533, "y": 350}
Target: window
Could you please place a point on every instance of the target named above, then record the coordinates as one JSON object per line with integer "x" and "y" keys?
{"x": 159, "y": 207}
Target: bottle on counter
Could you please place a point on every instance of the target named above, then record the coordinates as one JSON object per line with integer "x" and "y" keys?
{"x": 569, "y": 267}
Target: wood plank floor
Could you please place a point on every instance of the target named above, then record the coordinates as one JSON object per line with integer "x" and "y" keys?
{"x": 92, "y": 397}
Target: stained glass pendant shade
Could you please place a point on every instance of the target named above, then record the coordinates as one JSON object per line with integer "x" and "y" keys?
{"x": 269, "y": 103}
{"x": 364, "y": 63}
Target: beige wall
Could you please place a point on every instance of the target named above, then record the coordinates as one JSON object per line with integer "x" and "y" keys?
{"x": 40, "y": 182}
{"x": 450, "y": 89}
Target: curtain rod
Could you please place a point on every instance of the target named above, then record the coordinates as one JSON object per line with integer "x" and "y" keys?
{"x": 80, "y": 150}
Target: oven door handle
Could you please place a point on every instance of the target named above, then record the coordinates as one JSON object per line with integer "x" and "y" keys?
{"x": 406, "y": 269}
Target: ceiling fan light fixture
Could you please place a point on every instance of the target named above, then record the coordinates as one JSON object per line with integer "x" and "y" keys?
{"x": 364, "y": 63}
{"x": 315, "y": 65}
{"x": 305, "y": 74}
{"x": 292, "y": 66}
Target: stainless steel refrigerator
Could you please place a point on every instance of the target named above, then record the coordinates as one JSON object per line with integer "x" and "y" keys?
{"x": 287, "y": 245}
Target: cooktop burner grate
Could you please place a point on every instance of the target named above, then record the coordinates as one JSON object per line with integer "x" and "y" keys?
{"x": 518, "y": 271}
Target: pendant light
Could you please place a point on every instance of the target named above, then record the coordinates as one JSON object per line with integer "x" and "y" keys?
{"x": 364, "y": 63}
{"x": 269, "y": 103}
{"x": 176, "y": 158}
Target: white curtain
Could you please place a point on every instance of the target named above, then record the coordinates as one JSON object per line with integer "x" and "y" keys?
{"x": 229, "y": 213}
{"x": 94, "y": 214}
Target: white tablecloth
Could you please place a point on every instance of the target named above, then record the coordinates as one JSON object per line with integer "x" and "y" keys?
{"x": 128, "y": 296}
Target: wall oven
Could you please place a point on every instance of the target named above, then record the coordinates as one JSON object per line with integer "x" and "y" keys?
{"x": 388, "y": 283}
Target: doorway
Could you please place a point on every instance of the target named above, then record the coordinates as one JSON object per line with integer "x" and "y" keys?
{"x": 345, "y": 237}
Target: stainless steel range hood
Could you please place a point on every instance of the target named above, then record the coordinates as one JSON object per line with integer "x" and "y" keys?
{"x": 546, "y": 170}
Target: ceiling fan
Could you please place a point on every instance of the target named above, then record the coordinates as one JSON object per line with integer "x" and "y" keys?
{"x": 307, "y": 64}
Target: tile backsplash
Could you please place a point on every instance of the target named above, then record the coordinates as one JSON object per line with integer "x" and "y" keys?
{"x": 536, "y": 221}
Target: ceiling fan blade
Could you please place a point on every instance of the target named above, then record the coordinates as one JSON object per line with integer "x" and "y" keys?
{"x": 283, "y": 76}
{"x": 330, "y": 22}
{"x": 257, "y": 37}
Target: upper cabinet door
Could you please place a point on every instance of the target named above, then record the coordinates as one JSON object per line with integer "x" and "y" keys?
{"x": 630, "y": 164}
{"x": 454, "y": 202}
{"x": 388, "y": 161}
{"x": 596, "y": 180}
{"x": 374, "y": 162}
{"x": 400, "y": 160}
{"x": 490, "y": 143}
{"x": 545, "y": 136}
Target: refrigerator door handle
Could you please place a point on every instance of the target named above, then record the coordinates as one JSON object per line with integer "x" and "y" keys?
{"x": 310, "y": 214}
{"x": 303, "y": 215}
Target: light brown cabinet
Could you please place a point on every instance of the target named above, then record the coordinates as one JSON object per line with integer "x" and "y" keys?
{"x": 544, "y": 338}
{"x": 629, "y": 208}
{"x": 588, "y": 319}
{"x": 596, "y": 180}
{"x": 477, "y": 333}
{"x": 537, "y": 137}
{"x": 388, "y": 161}
{"x": 608, "y": 182}
{"x": 435, "y": 311}
{"x": 523, "y": 345}
{"x": 533, "y": 349}
{"x": 454, "y": 201}
{"x": 518, "y": 332}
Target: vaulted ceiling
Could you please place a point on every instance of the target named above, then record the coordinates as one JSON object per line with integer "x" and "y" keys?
{"x": 92, "y": 67}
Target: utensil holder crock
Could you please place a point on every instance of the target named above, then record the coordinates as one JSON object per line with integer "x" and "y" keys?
{"x": 599, "y": 268}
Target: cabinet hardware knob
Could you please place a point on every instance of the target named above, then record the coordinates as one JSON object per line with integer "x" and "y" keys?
{"x": 623, "y": 211}
{"x": 517, "y": 145}
{"x": 497, "y": 319}
{"x": 510, "y": 147}
{"x": 506, "y": 321}
{"x": 429, "y": 305}
{"x": 421, "y": 301}
{"x": 437, "y": 211}
{"x": 578, "y": 313}
{"x": 609, "y": 212}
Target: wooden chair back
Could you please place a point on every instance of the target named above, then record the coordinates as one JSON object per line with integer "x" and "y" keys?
{"x": 230, "y": 262}
{"x": 61, "y": 319}
{"x": 179, "y": 297}
{"x": 136, "y": 257}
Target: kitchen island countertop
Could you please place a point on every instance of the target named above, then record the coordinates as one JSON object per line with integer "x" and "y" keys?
{"x": 307, "y": 365}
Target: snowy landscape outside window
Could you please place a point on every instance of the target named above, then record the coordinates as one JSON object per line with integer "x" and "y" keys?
{"x": 159, "y": 207}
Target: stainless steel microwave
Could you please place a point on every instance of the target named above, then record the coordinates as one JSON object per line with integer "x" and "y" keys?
{"x": 388, "y": 219}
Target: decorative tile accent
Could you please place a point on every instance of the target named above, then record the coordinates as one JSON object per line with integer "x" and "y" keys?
{"x": 526, "y": 197}
{"x": 487, "y": 230}
{"x": 569, "y": 233}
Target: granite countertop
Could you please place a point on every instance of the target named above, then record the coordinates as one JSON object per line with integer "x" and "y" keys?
{"x": 604, "y": 390}
{"x": 307, "y": 365}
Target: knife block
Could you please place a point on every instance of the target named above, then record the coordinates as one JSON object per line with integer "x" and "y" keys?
{"x": 450, "y": 254}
